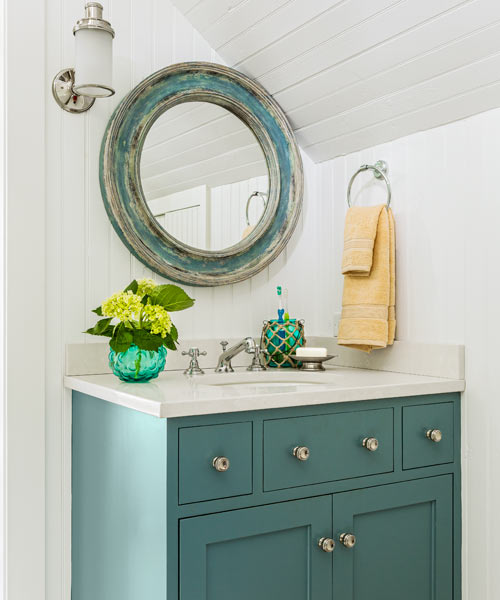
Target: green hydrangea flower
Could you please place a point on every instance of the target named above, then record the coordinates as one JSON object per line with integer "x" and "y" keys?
{"x": 122, "y": 305}
{"x": 145, "y": 286}
{"x": 158, "y": 317}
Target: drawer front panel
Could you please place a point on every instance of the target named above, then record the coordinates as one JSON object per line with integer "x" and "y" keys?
{"x": 418, "y": 449}
{"x": 198, "y": 446}
{"x": 335, "y": 443}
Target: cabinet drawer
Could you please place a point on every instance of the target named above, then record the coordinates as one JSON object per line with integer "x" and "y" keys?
{"x": 199, "y": 479}
{"x": 335, "y": 444}
{"x": 419, "y": 450}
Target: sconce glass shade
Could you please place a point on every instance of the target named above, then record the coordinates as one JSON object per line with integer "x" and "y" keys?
{"x": 94, "y": 54}
{"x": 94, "y": 63}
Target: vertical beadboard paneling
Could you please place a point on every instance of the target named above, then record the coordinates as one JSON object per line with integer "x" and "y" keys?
{"x": 120, "y": 15}
{"x": 426, "y": 173}
{"x": 447, "y": 211}
{"x": 86, "y": 261}
{"x": 445, "y": 204}
{"x": 23, "y": 232}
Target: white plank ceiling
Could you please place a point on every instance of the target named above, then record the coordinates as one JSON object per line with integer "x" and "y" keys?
{"x": 354, "y": 73}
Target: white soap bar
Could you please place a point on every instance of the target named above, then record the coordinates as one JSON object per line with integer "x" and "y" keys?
{"x": 311, "y": 352}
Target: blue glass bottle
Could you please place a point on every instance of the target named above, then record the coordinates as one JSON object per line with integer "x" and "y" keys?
{"x": 136, "y": 364}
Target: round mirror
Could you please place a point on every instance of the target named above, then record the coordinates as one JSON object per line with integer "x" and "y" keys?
{"x": 200, "y": 174}
{"x": 204, "y": 176}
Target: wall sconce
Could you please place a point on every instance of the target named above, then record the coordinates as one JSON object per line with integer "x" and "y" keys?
{"x": 75, "y": 90}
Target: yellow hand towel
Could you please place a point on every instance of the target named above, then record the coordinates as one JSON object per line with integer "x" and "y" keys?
{"x": 368, "y": 303}
{"x": 359, "y": 236}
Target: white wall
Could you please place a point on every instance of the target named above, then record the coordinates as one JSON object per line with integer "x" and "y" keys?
{"x": 23, "y": 457}
{"x": 86, "y": 261}
{"x": 447, "y": 212}
{"x": 447, "y": 208}
{"x": 228, "y": 208}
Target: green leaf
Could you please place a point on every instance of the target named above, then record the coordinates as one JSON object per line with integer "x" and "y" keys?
{"x": 122, "y": 339}
{"x": 102, "y": 327}
{"x": 174, "y": 334}
{"x": 147, "y": 341}
{"x": 169, "y": 342}
{"x": 171, "y": 297}
{"x": 98, "y": 311}
{"x": 133, "y": 286}
{"x": 108, "y": 332}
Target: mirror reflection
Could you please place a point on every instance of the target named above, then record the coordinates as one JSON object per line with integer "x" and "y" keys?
{"x": 204, "y": 175}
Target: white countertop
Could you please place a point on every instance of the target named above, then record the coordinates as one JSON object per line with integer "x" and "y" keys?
{"x": 175, "y": 395}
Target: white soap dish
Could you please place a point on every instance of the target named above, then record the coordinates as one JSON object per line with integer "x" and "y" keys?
{"x": 312, "y": 363}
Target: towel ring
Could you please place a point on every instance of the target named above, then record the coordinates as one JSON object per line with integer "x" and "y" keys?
{"x": 263, "y": 195}
{"x": 379, "y": 170}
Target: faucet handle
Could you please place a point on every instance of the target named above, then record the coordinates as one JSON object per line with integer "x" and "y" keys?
{"x": 257, "y": 364}
{"x": 224, "y": 345}
{"x": 194, "y": 352}
{"x": 194, "y": 368}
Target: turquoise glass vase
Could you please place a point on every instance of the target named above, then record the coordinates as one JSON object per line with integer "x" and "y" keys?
{"x": 136, "y": 364}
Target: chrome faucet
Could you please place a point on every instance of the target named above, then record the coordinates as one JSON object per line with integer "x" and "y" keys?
{"x": 249, "y": 346}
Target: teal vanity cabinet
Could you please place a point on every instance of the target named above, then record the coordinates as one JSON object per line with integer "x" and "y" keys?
{"x": 348, "y": 501}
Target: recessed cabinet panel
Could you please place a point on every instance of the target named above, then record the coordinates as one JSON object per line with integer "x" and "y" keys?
{"x": 337, "y": 447}
{"x": 265, "y": 553}
{"x": 403, "y": 541}
{"x": 427, "y": 435}
{"x": 215, "y": 461}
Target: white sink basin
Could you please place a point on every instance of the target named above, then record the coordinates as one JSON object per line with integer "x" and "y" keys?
{"x": 269, "y": 379}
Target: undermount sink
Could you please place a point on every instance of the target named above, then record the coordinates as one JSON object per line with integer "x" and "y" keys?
{"x": 268, "y": 379}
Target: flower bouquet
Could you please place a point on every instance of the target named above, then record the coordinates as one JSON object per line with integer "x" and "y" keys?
{"x": 140, "y": 328}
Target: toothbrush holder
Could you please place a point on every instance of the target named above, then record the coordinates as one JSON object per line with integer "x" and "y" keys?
{"x": 281, "y": 340}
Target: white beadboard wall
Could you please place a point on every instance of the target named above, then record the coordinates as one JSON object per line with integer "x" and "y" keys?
{"x": 447, "y": 207}
{"x": 447, "y": 210}
{"x": 86, "y": 261}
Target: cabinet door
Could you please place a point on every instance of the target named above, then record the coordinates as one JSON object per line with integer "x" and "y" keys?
{"x": 262, "y": 553}
{"x": 404, "y": 541}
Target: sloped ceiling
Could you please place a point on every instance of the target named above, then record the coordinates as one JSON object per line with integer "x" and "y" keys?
{"x": 354, "y": 73}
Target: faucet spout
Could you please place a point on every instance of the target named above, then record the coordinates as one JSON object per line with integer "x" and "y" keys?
{"x": 224, "y": 363}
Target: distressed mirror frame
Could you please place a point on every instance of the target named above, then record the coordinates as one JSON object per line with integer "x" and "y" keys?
{"x": 124, "y": 197}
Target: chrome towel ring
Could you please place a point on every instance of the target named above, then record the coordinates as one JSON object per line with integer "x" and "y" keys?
{"x": 380, "y": 171}
{"x": 263, "y": 195}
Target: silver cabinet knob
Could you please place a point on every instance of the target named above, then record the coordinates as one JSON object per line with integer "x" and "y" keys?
{"x": 301, "y": 452}
{"x": 370, "y": 443}
{"x": 221, "y": 463}
{"x": 348, "y": 539}
{"x": 326, "y": 544}
{"x": 435, "y": 435}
